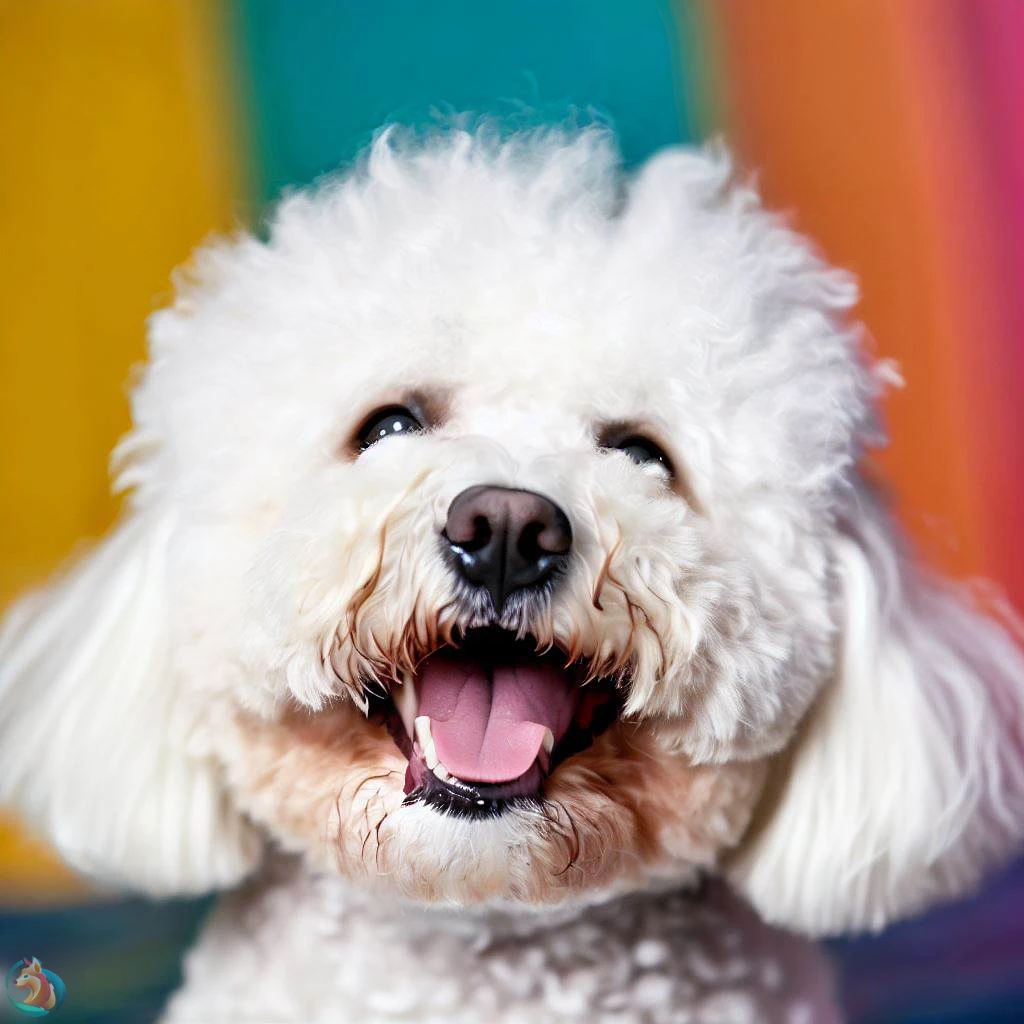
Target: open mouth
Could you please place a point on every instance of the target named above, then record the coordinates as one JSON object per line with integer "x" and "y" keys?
{"x": 487, "y": 720}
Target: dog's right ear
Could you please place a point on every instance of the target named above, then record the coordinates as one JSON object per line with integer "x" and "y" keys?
{"x": 92, "y": 748}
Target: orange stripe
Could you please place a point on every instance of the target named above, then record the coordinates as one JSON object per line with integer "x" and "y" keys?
{"x": 825, "y": 102}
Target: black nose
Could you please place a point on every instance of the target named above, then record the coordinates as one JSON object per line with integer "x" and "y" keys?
{"x": 504, "y": 539}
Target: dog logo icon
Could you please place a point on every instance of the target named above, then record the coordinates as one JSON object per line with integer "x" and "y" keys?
{"x": 34, "y": 990}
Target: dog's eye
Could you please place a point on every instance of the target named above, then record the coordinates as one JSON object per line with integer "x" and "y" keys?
{"x": 642, "y": 450}
{"x": 395, "y": 419}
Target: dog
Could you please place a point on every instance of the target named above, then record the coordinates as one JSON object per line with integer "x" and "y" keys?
{"x": 504, "y": 614}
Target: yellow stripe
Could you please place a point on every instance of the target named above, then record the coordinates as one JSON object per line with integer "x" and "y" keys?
{"x": 116, "y": 147}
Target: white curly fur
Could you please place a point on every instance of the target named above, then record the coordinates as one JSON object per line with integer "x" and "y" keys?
{"x": 190, "y": 691}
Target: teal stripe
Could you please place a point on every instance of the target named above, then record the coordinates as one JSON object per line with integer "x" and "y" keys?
{"x": 321, "y": 76}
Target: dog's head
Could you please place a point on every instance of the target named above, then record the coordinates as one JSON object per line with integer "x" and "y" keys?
{"x": 497, "y": 533}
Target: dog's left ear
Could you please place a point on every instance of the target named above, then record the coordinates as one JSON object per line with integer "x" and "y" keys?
{"x": 906, "y": 781}
{"x": 92, "y": 748}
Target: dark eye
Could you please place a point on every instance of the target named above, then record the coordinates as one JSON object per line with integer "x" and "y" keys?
{"x": 642, "y": 450}
{"x": 389, "y": 422}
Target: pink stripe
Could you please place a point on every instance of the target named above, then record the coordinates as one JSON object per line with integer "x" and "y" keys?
{"x": 994, "y": 33}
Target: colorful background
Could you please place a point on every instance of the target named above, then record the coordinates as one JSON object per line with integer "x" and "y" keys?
{"x": 893, "y": 129}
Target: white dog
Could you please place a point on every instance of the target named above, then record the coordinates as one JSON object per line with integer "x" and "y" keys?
{"x": 497, "y": 567}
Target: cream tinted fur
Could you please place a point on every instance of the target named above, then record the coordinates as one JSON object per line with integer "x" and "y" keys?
{"x": 155, "y": 701}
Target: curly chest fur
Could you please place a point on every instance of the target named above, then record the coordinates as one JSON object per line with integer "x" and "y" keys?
{"x": 315, "y": 950}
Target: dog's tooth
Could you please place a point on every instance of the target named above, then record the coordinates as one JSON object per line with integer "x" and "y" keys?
{"x": 548, "y": 743}
{"x": 441, "y": 772}
{"x": 404, "y": 697}
{"x": 422, "y": 730}
{"x": 426, "y": 742}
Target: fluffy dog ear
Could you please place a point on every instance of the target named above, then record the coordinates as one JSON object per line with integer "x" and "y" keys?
{"x": 906, "y": 782}
{"x": 90, "y": 748}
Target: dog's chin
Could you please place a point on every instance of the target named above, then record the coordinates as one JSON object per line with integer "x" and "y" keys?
{"x": 497, "y": 772}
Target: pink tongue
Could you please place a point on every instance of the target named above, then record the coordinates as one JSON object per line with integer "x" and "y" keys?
{"x": 488, "y": 725}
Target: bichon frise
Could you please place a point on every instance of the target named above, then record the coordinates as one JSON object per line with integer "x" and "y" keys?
{"x": 498, "y": 568}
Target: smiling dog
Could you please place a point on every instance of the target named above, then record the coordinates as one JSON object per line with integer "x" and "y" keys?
{"x": 497, "y": 541}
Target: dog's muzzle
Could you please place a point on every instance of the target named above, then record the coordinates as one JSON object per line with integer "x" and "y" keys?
{"x": 487, "y": 716}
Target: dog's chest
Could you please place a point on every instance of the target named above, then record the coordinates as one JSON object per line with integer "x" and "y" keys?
{"x": 314, "y": 951}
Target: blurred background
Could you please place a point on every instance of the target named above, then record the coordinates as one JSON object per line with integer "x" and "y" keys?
{"x": 892, "y": 129}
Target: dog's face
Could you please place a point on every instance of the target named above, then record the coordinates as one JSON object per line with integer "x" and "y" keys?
{"x": 500, "y": 511}
{"x": 536, "y": 579}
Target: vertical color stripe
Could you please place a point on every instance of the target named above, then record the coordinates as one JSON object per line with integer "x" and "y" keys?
{"x": 116, "y": 163}
{"x": 323, "y": 76}
{"x": 821, "y": 102}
